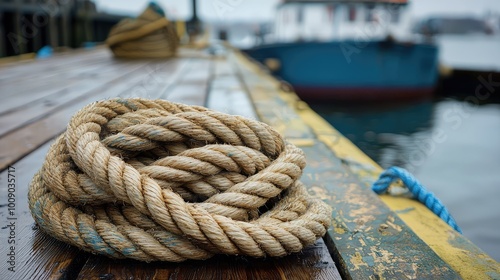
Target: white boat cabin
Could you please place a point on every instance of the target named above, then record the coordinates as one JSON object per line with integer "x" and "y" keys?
{"x": 341, "y": 20}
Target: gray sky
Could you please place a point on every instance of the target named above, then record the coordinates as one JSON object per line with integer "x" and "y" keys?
{"x": 258, "y": 10}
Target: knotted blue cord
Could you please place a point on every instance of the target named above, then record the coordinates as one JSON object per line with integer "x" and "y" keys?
{"x": 419, "y": 192}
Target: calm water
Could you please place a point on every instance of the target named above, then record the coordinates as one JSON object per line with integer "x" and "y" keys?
{"x": 451, "y": 146}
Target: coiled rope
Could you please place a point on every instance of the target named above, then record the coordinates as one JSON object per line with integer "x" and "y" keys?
{"x": 150, "y": 35}
{"x": 155, "y": 180}
{"x": 426, "y": 197}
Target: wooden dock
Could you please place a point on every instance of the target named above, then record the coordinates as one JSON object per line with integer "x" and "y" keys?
{"x": 371, "y": 237}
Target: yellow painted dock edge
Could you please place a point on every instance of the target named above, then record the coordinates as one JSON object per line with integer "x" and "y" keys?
{"x": 452, "y": 247}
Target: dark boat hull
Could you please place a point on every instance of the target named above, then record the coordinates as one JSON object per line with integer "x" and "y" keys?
{"x": 354, "y": 71}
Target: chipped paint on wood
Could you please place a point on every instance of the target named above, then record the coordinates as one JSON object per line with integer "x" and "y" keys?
{"x": 301, "y": 142}
{"x": 38, "y": 256}
{"x": 454, "y": 249}
{"x": 366, "y": 233}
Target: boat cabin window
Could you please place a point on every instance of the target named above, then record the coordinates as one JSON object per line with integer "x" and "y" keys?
{"x": 370, "y": 15}
{"x": 331, "y": 11}
{"x": 395, "y": 12}
{"x": 300, "y": 16}
{"x": 340, "y": 21}
{"x": 352, "y": 13}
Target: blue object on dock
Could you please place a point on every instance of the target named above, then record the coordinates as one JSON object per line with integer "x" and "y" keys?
{"x": 418, "y": 190}
{"x": 153, "y": 5}
{"x": 89, "y": 45}
{"x": 45, "y": 52}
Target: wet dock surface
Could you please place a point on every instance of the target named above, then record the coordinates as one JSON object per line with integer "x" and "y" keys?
{"x": 367, "y": 239}
{"x": 39, "y": 99}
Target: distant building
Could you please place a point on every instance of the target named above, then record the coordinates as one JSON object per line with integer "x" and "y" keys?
{"x": 452, "y": 25}
{"x": 28, "y": 25}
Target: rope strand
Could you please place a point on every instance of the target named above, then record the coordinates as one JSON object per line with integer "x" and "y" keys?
{"x": 420, "y": 193}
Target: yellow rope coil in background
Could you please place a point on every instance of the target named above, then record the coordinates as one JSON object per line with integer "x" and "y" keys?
{"x": 150, "y": 35}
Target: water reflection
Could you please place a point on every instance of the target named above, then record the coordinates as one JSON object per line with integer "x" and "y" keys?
{"x": 394, "y": 134}
{"x": 450, "y": 145}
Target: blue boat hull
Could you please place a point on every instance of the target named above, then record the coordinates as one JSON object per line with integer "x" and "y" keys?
{"x": 351, "y": 70}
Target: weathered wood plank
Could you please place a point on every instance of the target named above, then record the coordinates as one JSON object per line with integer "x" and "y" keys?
{"x": 313, "y": 262}
{"x": 19, "y": 72}
{"x": 193, "y": 94}
{"x": 161, "y": 77}
{"x": 12, "y": 92}
{"x": 271, "y": 108}
{"x": 187, "y": 82}
{"x": 28, "y": 137}
{"x": 369, "y": 239}
{"x": 461, "y": 254}
{"x": 366, "y": 237}
{"x": 191, "y": 87}
{"x": 222, "y": 67}
{"x": 37, "y": 255}
{"x": 227, "y": 95}
{"x": 33, "y": 134}
{"x": 21, "y": 94}
{"x": 469, "y": 261}
{"x": 29, "y": 105}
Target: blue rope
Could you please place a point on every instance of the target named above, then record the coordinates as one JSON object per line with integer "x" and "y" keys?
{"x": 419, "y": 192}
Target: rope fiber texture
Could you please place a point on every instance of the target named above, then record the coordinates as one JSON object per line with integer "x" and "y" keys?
{"x": 155, "y": 180}
{"x": 426, "y": 197}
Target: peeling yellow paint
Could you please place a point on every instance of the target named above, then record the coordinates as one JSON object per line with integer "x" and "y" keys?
{"x": 463, "y": 256}
{"x": 362, "y": 242}
{"x": 394, "y": 226}
{"x": 320, "y": 193}
{"x": 357, "y": 261}
{"x": 381, "y": 255}
{"x": 302, "y": 142}
{"x": 415, "y": 271}
{"x": 468, "y": 260}
{"x": 339, "y": 230}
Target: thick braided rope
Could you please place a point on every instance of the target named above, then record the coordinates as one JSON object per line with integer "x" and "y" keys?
{"x": 420, "y": 193}
{"x": 156, "y": 180}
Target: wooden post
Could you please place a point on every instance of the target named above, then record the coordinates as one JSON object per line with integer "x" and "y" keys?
{"x": 2, "y": 35}
{"x": 193, "y": 25}
{"x": 37, "y": 38}
{"x": 21, "y": 47}
{"x": 53, "y": 32}
{"x": 89, "y": 20}
{"x": 66, "y": 28}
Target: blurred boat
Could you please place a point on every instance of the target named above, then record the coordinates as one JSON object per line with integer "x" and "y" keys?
{"x": 349, "y": 51}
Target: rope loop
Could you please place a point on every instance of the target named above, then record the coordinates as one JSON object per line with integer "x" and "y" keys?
{"x": 419, "y": 192}
{"x": 156, "y": 180}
